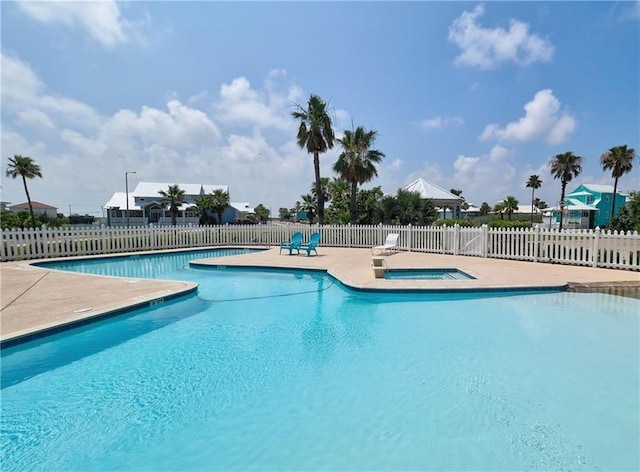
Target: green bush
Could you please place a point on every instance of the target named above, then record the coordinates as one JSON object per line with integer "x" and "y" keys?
{"x": 465, "y": 223}
{"x": 509, "y": 224}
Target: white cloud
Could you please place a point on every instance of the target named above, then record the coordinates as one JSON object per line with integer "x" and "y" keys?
{"x": 100, "y": 20}
{"x": 35, "y": 118}
{"x": 488, "y": 177}
{"x": 241, "y": 104}
{"x": 543, "y": 119}
{"x": 24, "y": 93}
{"x": 86, "y": 154}
{"x": 488, "y": 48}
{"x": 439, "y": 122}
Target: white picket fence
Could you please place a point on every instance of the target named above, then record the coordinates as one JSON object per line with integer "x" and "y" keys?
{"x": 594, "y": 248}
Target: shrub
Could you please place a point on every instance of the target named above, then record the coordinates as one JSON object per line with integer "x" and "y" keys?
{"x": 509, "y": 224}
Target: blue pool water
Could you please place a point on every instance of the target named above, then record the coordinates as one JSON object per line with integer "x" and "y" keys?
{"x": 269, "y": 370}
{"x": 426, "y": 274}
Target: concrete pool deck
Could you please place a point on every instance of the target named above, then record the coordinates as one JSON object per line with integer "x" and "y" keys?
{"x": 35, "y": 299}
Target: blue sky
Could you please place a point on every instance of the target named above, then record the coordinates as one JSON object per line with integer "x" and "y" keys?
{"x": 475, "y": 96}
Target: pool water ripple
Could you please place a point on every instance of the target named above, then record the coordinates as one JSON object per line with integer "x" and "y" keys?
{"x": 329, "y": 379}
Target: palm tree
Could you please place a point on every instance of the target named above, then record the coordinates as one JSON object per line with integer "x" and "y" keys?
{"x": 510, "y": 204}
{"x": 500, "y": 208}
{"x": 533, "y": 183}
{"x": 316, "y": 135}
{"x": 324, "y": 188}
{"x": 219, "y": 203}
{"x": 309, "y": 205}
{"x": 173, "y": 197}
{"x": 356, "y": 164}
{"x": 26, "y": 168}
{"x": 338, "y": 189}
{"x": 565, "y": 167}
{"x": 202, "y": 205}
{"x": 262, "y": 213}
{"x": 619, "y": 160}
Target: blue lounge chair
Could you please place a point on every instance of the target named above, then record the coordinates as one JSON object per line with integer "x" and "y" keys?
{"x": 314, "y": 240}
{"x": 293, "y": 245}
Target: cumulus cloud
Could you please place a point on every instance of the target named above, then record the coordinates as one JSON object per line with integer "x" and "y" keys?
{"x": 240, "y": 103}
{"x": 101, "y": 20}
{"x": 476, "y": 175}
{"x": 543, "y": 119}
{"x": 439, "y": 122}
{"x": 487, "y": 48}
{"x": 249, "y": 134}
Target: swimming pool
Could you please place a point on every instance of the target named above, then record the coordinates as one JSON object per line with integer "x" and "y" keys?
{"x": 290, "y": 370}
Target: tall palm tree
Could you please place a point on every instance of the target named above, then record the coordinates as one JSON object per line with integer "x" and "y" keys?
{"x": 619, "y": 160}
{"x": 534, "y": 183}
{"x": 316, "y": 135}
{"x": 356, "y": 164}
{"x": 173, "y": 197}
{"x": 510, "y": 204}
{"x": 565, "y": 167}
{"x": 26, "y": 168}
{"x": 219, "y": 203}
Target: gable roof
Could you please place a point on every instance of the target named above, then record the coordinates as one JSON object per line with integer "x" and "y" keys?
{"x": 34, "y": 204}
{"x": 152, "y": 189}
{"x": 431, "y": 191}
{"x": 119, "y": 200}
{"x": 598, "y": 188}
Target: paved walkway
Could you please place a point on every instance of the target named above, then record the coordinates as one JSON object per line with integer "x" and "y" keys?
{"x": 35, "y": 299}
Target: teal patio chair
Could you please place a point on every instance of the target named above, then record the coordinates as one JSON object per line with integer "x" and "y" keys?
{"x": 314, "y": 240}
{"x": 293, "y": 245}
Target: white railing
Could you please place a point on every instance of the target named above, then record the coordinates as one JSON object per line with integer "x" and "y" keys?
{"x": 594, "y": 248}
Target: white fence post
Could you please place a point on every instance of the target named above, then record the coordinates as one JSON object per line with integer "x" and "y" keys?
{"x": 485, "y": 240}
{"x": 596, "y": 247}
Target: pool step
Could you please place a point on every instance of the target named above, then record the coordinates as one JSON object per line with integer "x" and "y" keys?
{"x": 379, "y": 266}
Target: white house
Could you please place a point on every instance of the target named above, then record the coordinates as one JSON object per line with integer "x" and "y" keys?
{"x": 145, "y": 205}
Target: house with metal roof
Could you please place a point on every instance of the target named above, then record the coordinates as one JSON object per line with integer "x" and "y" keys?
{"x": 145, "y": 205}
{"x": 587, "y": 207}
{"x": 442, "y": 199}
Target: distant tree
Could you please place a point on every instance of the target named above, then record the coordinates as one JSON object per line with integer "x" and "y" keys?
{"x": 315, "y": 133}
{"x": 510, "y": 205}
{"x": 309, "y": 205}
{"x": 540, "y": 204}
{"x": 628, "y": 218}
{"x": 26, "y": 168}
{"x": 219, "y": 203}
{"x": 173, "y": 198}
{"x": 369, "y": 203}
{"x": 338, "y": 189}
{"x": 485, "y": 209}
{"x": 499, "y": 208}
{"x": 356, "y": 163}
{"x": 619, "y": 160}
{"x": 324, "y": 188}
{"x": 458, "y": 193}
{"x": 408, "y": 208}
{"x": 565, "y": 167}
{"x": 284, "y": 214}
{"x": 534, "y": 183}
{"x": 202, "y": 206}
{"x": 262, "y": 213}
